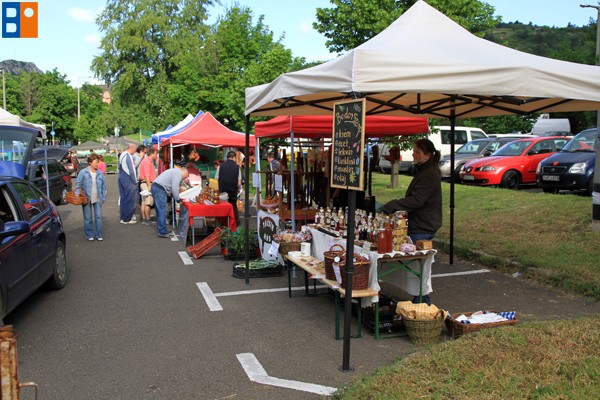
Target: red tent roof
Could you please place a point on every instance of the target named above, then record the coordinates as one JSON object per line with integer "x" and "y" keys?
{"x": 315, "y": 126}
{"x": 206, "y": 130}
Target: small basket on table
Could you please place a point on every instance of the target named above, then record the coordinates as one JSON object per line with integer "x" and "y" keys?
{"x": 290, "y": 241}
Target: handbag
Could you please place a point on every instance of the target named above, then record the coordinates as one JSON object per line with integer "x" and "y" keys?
{"x": 77, "y": 199}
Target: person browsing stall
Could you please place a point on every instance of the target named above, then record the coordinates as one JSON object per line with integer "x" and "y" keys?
{"x": 229, "y": 176}
{"x": 92, "y": 183}
{"x": 166, "y": 184}
{"x": 423, "y": 198}
{"x": 128, "y": 186}
{"x": 147, "y": 176}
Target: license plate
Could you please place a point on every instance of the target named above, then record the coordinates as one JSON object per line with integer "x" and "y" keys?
{"x": 554, "y": 178}
{"x": 468, "y": 177}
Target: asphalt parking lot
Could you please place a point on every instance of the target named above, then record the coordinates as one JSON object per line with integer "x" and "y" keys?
{"x": 133, "y": 323}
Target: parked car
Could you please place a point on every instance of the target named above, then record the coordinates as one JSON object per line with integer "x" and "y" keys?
{"x": 59, "y": 179}
{"x": 32, "y": 243}
{"x": 513, "y": 164}
{"x": 440, "y": 137}
{"x": 474, "y": 149}
{"x": 61, "y": 153}
{"x": 572, "y": 168}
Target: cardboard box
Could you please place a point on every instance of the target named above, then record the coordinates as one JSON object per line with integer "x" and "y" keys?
{"x": 424, "y": 244}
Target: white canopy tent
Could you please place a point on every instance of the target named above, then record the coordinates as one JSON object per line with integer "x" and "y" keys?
{"x": 9, "y": 119}
{"x": 157, "y": 137}
{"x": 426, "y": 64}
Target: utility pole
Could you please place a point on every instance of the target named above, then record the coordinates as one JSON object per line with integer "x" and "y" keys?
{"x": 3, "y": 91}
{"x": 596, "y": 184}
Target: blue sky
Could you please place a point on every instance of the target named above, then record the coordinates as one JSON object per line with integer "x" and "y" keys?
{"x": 68, "y": 38}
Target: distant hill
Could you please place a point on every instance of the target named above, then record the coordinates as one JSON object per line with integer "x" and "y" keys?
{"x": 15, "y": 67}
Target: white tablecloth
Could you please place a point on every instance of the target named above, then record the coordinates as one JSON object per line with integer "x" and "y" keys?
{"x": 406, "y": 281}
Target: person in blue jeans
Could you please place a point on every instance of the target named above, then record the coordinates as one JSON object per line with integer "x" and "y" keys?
{"x": 423, "y": 199}
{"x": 166, "y": 184}
{"x": 92, "y": 182}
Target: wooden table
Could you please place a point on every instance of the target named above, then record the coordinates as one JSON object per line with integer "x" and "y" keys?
{"x": 311, "y": 266}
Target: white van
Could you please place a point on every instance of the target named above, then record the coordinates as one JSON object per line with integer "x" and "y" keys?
{"x": 440, "y": 139}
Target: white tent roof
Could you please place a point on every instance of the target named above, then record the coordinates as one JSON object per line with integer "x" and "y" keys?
{"x": 9, "y": 119}
{"x": 156, "y": 138}
{"x": 422, "y": 63}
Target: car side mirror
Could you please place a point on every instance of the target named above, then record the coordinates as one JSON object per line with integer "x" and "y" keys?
{"x": 14, "y": 228}
{"x": 531, "y": 152}
{"x": 487, "y": 153}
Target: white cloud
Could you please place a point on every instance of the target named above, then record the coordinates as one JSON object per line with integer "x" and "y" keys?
{"x": 306, "y": 26}
{"x": 92, "y": 38}
{"x": 82, "y": 14}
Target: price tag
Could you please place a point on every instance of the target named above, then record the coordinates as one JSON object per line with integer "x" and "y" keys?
{"x": 256, "y": 180}
{"x": 274, "y": 249}
{"x": 338, "y": 275}
{"x": 366, "y": 247}
{"x": 278, "y": 183}
{"x": 317, "y": 276}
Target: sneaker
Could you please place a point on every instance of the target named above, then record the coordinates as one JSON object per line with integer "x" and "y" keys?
{"x": 145, "y": 222}
{"x": 100, "y": 239}
{"x": 161, "y": 235}
{"x": 132, "y": 221}
{"x": 91, "y": 239}
{"x": 134, "y": 218}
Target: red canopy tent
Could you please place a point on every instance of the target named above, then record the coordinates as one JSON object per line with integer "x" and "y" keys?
{"x": 206, "y": 130}
{"x": 315, "y": 126}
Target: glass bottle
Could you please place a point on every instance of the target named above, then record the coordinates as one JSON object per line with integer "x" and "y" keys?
{"x": 381, "y": 242}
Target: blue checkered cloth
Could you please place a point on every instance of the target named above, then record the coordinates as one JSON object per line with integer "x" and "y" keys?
{"x": 509, "y": 315}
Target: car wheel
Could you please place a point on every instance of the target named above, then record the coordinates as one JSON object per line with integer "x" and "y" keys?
{"x": 457, "y": 173}
{"x": 58, "y": 279}
{"x": 590, "y": 188}
{"x": 511, "y": 180}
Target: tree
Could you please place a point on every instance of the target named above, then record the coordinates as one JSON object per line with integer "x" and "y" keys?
{"x": 352, "y": 22}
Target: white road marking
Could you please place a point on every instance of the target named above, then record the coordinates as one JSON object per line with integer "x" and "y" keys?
{"x": 211, "y": 301}
{"x": 263, "y": 291}
{"x": 477, "y": 271}
{"x": 185, "y": 258}
{"x": 174, "y": 237}
{"x": 256, "y": 373}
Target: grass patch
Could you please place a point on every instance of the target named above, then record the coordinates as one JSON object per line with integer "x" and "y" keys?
{"x": 549, "y": 236}
{"x": 538, "y": 360}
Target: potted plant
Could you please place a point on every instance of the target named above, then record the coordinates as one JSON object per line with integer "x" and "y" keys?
{"x": 233, "y": 244}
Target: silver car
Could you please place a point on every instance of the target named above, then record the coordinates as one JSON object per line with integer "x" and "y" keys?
{"x": 474, "y": 149}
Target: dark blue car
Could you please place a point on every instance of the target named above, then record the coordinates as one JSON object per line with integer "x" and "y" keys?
{"x": 572, "y": 168}
{"x": 32, "y": 237}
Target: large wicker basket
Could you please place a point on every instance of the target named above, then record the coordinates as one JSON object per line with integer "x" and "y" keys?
{"x": 286, "y": 247}
{"x": 360, "y": 277}
{"x": 424, "y": 331}
{"x": 336, "y": 250}
{"x": 77, "y": 199}
{"x": 457, "y": 329}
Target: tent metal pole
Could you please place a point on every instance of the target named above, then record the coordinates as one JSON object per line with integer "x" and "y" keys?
{"x": 247, "y": 200}
{"x": 452, "y": 179}
{"x": 292, "y": 187}
{"x": 172, "y": 199}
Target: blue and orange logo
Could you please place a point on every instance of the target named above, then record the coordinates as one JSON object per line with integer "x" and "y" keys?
{"x": 19, "y": 19}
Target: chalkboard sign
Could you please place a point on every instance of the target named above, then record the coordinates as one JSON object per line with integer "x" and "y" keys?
{"x": 347, "y": 145}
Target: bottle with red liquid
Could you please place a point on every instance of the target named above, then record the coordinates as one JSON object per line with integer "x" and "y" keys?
{"x": 388, "y": 236}
{"x": 381, "y": 241}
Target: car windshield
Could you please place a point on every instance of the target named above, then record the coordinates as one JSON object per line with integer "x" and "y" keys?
{"x": 473, "y": 147}
{"x": 584, "y": 141}
{"x": 512, "y": 149}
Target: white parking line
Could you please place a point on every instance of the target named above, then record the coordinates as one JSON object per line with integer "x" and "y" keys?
{"x": 262, "y": 291}
{"x": 256, "y": 373}
{"x": 185, "y": 258}
{"x": 476, "y": 271}
{"x": 211, "y": 301}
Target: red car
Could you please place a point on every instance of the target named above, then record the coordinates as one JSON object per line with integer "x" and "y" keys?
{"x": 512, "y": 164}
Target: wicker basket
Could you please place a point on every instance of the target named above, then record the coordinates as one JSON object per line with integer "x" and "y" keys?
{"x": 457, "y": 329}
{"x": 329, "y": 257}
{"x": 360, "y": 277}
{"x": 286, "y": 247}
{"x": 77, "y": 199}
{"x": 424, "y": 331}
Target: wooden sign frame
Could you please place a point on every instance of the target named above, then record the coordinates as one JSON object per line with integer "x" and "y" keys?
{"x": 347, "y": 145}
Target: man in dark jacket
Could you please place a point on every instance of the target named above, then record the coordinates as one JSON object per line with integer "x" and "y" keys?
{"x": 229, "y": 176}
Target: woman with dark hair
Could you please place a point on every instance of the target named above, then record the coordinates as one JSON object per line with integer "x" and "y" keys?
{"x": 91, "y": 182}
{"x": 423, "y": 199}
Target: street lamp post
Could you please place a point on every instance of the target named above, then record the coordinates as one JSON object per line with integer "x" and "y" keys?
{"x": 3, "y": 91}
{"x": 596, "y": 183}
